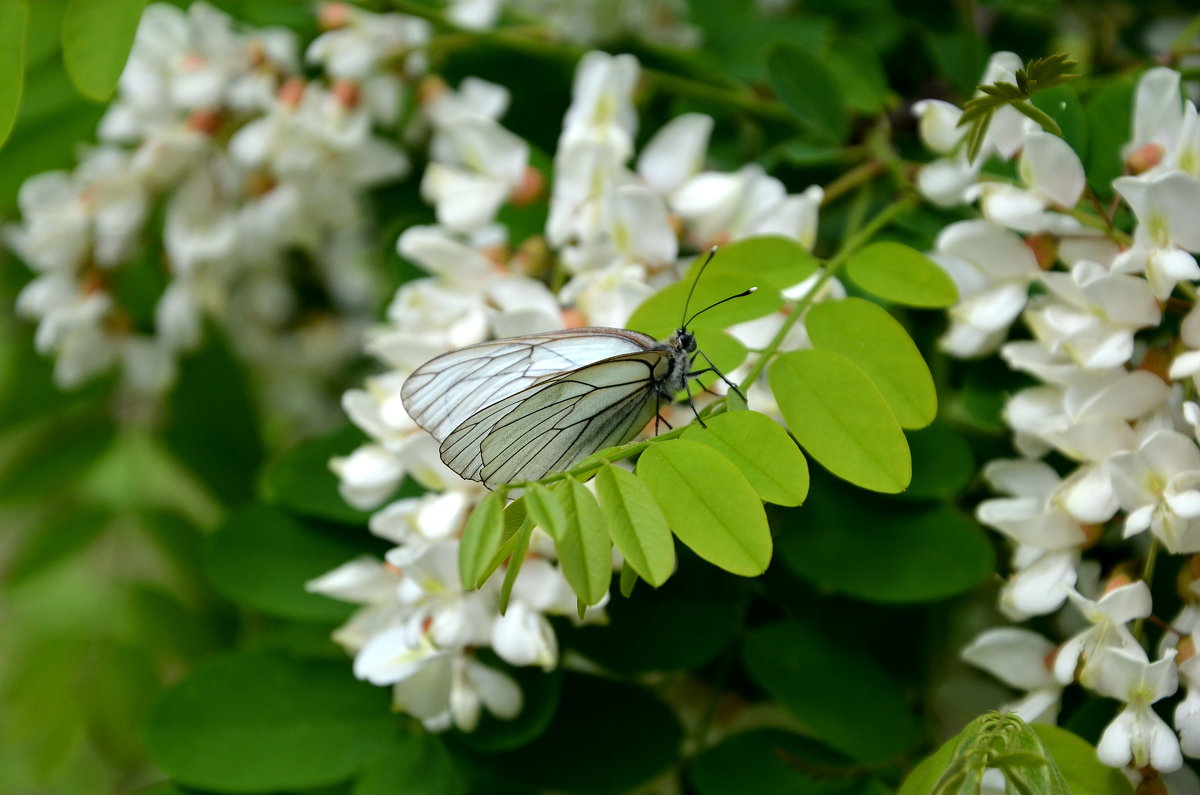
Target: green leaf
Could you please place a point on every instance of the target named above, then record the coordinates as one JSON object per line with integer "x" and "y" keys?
{"x": 255, "y": 722}
{"x": 810, "y": 90}
{"x": 598, "y": 721}
{"x": 841, "y": 419}
{"x": 481, "y": 540}
{"x": 1007, "y": 743}
{"x": 859, "y": 74}
{"x": 960, "y": 56}
{"x": 261, "y": 557}
{"x": 925, "y": 775}
{"x": 1077, "y": 761}
{"x": 301, "y": 480}
{"x": 96, "y": 38}
{"x": 53, "y": 541}
{"x": 876, "y": 342}
{"x": 637, "y": 525}
{"x": 896, "y": 272}
{"x": 770, "y": 263}
{"x": 838, "y": 693}
{"x": 212, "y": 425}
{"x": 772, "y": 760}
{"x": 546, "y": 510}
{"x": 14, "y": 18}
{"x": 515, "y": 559}
{"x": 416, "y": 762}
{"x": 583, "y": 546}
{"x": 762, "y": 450}
{"x": 681, "y": 626}
{"x": 943, "y": 464}
{"x": 57, "y": 457}
{"x": 1062, "y": 104}
{"x": 709, "y": 505}
{"x": 541, "y": 693}
{"x": 877, "y": 550}
{"x": 1108, "y": 110}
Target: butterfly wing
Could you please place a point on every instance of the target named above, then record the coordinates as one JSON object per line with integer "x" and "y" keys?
{"x": 450, "y": 388}
{"x": 552, "y": 425}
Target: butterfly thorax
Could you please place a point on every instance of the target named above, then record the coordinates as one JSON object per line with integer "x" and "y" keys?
{"x": 681, "y": 345}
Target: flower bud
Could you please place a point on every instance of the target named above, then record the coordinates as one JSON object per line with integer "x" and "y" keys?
{"x": 1189, "y": 573}
{"x": 292, "y": 91}
{"x": 331, "y": 16}
{"x": 346, "y": 93}
{"x": 1045, "y": 249}
{"x": 533, "y": 185}
{"x": 1144, "y": 158}
{"x": 204, "y": 121}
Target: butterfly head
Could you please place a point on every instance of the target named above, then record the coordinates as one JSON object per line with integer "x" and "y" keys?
{"x": 685, "y": 340}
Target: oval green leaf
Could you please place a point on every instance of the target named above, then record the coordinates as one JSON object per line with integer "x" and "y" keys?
{"x": 943, "y": 463}
{"x": 543, "y": 506}
{"x": 810, "y": 90}
{"x": 96, "y": 38}
{"x": 636, "y": 524}
{"x": 420, "y": 763}
{"x": 264, "y": 723}
{"x": 877, "y": 550}
{"x": 895, "y": 272}
{"x": 762, "y": 450}
{"x": 839, "y": 693}
{"x": 875, "y": 341}
{"x": 584, "y": 551}
{"x": 859, "y": 73}
{"x": 481, "y": 539}
{"x": 301, "y": 481}
{"x": 261, "y": 557}
{"x": 773, "y": 760}
{"x": 1076, "y": 760}
{"x": 840, "y": 418}
{"x": 709, "y": 505}
{"x": 14, "y": 18}
{"x": 770, "y": 263}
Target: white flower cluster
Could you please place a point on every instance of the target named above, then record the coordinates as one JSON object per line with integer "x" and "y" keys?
{"x": 613, "y": 236}
{"x": 589, "y": 21}
{"x": 1106, "y": 401}
{"x": 249, "y": 169}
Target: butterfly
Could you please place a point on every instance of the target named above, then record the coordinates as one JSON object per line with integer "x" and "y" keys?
{"x": 517, "y": 409}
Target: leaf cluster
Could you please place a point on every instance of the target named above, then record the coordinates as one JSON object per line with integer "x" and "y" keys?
{"x": 1038, "y": 75}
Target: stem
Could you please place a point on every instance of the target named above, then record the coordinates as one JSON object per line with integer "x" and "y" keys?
{"x": 740, "y": 98}
{"x": 1040, "y": 116}
{"x": 886, "y": 216}
{"x": 860, "y": 174}
{"x": 1148, "y": 578}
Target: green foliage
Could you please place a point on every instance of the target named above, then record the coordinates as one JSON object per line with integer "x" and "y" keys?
{"x": 262, "y": 558}
{"x": 872, "y": 549}
{"x": 841, "y": 419}
{"x": 709, "y": 504}
{"x": 637, "y": 525}
{"x": 14, "y": 16}
{"x": 879, "y": 345}
{"x": 300, "y": 479}
{"x": 584, "y": 549}
{"x": 778, "y": 761}
{"x": 896, "y": 272}
{"x": 96, "y": 38}
{"x": 807, "y": 86}
{"x": 1042, "y": 759}
{"x": 839, "y": 693}
{"x": 481, "y": 540}
{"x": 762, "y": 450}
{"x": 257, "y": 722}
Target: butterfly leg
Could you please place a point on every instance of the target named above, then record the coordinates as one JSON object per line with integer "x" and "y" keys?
{"x": 687, "y": 386}
{"x": 712, "y": 368}
{"x": 658, "y": 417}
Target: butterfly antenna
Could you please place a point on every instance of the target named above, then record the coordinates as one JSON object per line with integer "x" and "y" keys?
{"x": 742, "y": 294}
{"x": 712, "y": 252}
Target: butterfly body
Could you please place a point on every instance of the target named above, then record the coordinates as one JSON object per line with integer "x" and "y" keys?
{"x": 517, "y": 409}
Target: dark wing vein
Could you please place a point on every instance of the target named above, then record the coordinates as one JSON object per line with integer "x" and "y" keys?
{"x": 452, "y": 387}
{"x": 552, "y": 425}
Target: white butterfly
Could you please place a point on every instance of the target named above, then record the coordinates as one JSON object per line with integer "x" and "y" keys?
{"x": 517, "y": 409}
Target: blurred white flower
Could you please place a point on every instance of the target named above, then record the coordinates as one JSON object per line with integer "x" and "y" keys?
{"x": 1137, "y": 735}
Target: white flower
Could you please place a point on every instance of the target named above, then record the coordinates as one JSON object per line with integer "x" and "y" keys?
{"x": 1187, "y": 712}
{"x": 992, "y": 268}
{"x": 675, "y": 153}
{"x": 721, "y": 207}
{"x": 601, "y": 110}
{"x": 478, "y": 164}
{"x": 1166, "y": 233}
{"x": 1159, "y": 486}
{"x": 1018, "y": 657}
{"x": 368, "y": 475}
{"x": 1137, "y": 735}
{"x": 364, "y": 42}
{"x": 1108, "y": 617}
